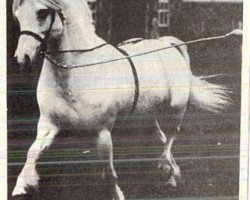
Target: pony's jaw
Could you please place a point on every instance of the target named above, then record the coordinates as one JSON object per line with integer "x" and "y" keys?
{"x": 27, "y": 50}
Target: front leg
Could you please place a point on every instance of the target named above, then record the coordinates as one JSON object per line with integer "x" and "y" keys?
{"x": 105, "y": 151}
{"x": 28, "y": 178}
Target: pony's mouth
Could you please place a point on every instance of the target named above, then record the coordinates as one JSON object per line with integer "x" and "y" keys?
{"x": 26, "y": 62}
{"x": 23, "y": 65}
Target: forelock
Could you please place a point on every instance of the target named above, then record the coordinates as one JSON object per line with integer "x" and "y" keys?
{"x": 53, "y": 4}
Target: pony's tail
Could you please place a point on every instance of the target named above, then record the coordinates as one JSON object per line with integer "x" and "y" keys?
{"x": 208, "y": 96}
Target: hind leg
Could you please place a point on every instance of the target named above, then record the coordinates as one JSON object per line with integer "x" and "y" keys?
{"x": 105, "y": 151}
{"x": 29, "y": 177}
{"x": 167, "y": 162}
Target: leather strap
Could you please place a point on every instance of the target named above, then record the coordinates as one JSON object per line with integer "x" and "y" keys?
{"x": 136, "y": 79}
{"x": 34, "y": 35}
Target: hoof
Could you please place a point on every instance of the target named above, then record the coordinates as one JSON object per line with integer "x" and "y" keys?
{"x": 171, "y": 182}
{"x": 25, "y": 184}
{"x": 19, "y": 191}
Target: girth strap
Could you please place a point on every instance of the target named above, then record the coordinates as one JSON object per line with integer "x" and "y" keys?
{"x": 137, "y": 89}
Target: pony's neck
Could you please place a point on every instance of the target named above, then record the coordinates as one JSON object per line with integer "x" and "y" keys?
{"x": 79, "y": 32}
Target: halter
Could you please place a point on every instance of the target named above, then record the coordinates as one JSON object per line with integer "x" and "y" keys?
{"x": 43, "y": 41}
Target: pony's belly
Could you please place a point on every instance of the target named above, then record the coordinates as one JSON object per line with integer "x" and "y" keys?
{"x": 152, "y": 101}
{"x": 100, "y": 108}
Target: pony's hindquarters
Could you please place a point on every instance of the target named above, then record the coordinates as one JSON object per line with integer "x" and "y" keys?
{"x": 179, "y": 44}
{"x": 164, "y": 76}
{"x": 203, "y": 95}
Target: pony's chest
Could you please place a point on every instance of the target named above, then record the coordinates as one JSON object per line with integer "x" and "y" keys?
{"x": 75, "y": 105}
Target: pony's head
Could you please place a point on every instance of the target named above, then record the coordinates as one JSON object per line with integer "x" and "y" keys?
{"x": 39, "y": 21}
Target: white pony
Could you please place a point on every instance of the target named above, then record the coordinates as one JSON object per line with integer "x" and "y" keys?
{"x": 97, "y": 95}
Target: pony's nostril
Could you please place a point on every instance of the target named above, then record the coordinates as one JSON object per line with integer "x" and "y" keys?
{"x": 27, "y": 58}
{"x": 27, "y": 64}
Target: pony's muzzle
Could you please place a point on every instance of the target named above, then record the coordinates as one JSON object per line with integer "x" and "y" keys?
{"x": 22, "y": 63}
{"x": 27, "y": 49}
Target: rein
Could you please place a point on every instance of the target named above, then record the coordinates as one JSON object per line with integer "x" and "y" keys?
{"x": 76, "y": 50}
{"x": 43, "y": 47}
{"x": 70, "y": 67}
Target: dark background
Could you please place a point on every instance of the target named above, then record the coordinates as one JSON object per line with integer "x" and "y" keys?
{"x": 207, "y": 149}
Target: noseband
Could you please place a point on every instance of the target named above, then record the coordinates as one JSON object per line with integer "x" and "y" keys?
{"x": 43, "y": 41}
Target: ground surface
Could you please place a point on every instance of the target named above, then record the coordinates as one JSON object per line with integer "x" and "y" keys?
{"x": 70, "y": 169}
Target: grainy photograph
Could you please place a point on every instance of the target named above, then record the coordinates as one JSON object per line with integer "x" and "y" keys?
{"x": 124, "y": 99}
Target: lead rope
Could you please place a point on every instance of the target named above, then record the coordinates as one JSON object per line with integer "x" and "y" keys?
{"x": 70, "y": 67}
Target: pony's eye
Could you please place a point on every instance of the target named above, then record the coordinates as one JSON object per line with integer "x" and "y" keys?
{"x": 43, "y": 14}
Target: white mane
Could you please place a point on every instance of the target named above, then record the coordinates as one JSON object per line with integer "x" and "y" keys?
{"x": 53, "y": 4}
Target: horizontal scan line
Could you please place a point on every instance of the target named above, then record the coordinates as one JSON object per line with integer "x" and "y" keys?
{"x": 113, "y": 88}
{"x": 127, "y": 160}
{"x": 197, "y": 198}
